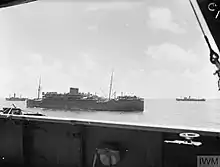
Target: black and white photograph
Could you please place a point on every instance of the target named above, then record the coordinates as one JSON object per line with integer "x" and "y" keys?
{"x": 115, "y": 83}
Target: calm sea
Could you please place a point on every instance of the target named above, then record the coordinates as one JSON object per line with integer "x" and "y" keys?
{"x": 157, "y": 112}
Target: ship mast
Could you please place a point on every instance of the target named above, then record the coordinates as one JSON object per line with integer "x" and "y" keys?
{"x": 39, "y": 88}
{"x": 110, "y": 89}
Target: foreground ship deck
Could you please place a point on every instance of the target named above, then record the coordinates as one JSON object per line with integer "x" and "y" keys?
{"x": 49, "y": 141}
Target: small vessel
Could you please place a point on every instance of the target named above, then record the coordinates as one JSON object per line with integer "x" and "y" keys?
{"x": 79, "y": 101}
{"x": 14, "y": 98}
{"x": 17, "y": 111}
{"x": 190, "y": 99}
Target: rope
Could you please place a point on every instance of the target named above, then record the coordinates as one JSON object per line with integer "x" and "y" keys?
{"x": 214, "y": 57}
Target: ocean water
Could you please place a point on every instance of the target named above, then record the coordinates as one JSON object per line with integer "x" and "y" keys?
{"x": 169, "y": 112}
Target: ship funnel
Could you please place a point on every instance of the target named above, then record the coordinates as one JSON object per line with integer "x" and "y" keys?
{"x": 74, "y": 91}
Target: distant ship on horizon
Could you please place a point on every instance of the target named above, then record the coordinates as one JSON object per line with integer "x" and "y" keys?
{"x": 190, "y": 99}
{"x": 14, "y": 98}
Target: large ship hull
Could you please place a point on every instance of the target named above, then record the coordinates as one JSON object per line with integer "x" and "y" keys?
{"x": 89, "y": 105}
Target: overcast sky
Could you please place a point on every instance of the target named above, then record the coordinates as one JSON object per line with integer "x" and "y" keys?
{"x": 155, "y": 48}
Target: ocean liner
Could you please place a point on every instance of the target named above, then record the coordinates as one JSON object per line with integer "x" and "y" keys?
{"x": 77, "y": 101}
